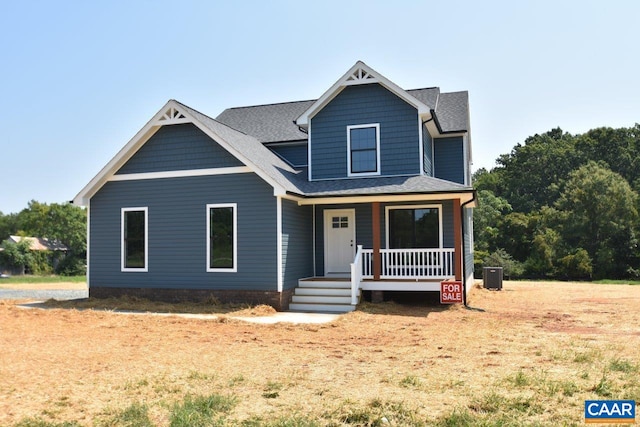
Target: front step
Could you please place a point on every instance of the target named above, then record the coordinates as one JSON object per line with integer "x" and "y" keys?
{"x": 322, "y": 295}
{"x": 322, "y": 308}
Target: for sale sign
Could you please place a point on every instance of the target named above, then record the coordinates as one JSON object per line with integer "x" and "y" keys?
{"x": 451, "y": 292}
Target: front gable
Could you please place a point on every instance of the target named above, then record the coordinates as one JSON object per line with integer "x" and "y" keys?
{"x": 394, "y": 122}
{"x": 211, "y": 148}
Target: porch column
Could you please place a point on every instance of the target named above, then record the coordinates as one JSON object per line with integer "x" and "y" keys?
{"x": 457, "y": 239}
{"x": 375, "y": 219}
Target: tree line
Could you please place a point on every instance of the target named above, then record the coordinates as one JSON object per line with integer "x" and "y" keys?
{"x": 562, "y": 206}
{"x": 64, "y": 223}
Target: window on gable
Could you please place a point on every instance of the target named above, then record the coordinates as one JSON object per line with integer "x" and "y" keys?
{"x": 410, "y": 227}
{"x": 363, "y": 143}
{"x": 221, "y": 237}
{"x": 134, "y": 234}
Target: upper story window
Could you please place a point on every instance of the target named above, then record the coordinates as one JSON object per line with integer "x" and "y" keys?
{"x": 363, "y": 149}
{"x": 134, "y": 239}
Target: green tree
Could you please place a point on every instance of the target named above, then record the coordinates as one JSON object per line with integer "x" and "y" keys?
{"x": 17, "y": 256}
{"x": 599, "y": 213}
{"x": 487, "y": 218}
{"x": 530, "y": 175}
{"x": 64, "y": 222}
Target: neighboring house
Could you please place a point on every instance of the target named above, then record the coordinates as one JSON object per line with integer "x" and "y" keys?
{"x": 38, "y": 244}
{"x": 366, "y": 188}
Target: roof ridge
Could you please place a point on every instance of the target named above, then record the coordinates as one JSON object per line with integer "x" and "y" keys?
{"x": 270, "y": 104}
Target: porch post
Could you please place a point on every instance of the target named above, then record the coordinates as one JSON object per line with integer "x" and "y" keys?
{"x": 377, "y": 261}
{"x": 457, "y": 239}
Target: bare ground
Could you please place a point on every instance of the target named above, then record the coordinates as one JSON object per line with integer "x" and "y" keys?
{"x": 69, "y": 365}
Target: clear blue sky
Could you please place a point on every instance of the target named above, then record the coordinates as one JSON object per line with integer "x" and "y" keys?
{"x": 79, "y": 79}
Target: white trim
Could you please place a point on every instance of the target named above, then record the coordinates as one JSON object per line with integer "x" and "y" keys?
{"x": 180, "y": 173}
{"x": 234, "y": 207}
{"x": 434, "y": 206}
{"x": 309, "y": 152}
{"x": 331, "y": 200}
{"x": 313, "y": 234}
{"x": 376, "y": 126}
{"x": 279, "y": 268}
{"x": 361, "y": 73}
{"x": 326, "y": 217}
{"x": 123, "y": 268}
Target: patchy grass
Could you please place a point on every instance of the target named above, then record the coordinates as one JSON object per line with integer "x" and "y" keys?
{"x": 44, "y": 282}
{"x": 532, "y": 358}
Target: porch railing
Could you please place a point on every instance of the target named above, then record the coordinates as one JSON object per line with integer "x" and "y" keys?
{"x": 356, "y": 275}
{"x": 410, "y": 263}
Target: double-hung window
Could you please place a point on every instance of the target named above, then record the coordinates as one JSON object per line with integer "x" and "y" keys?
{"x": 412, "y": 227}
{"x": 363, "y": 149}
{"x": 222, "y": 242}
{"x": 134, "y": 239}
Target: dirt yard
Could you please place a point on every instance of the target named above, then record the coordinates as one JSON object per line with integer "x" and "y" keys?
{"x": 534, "y": 353}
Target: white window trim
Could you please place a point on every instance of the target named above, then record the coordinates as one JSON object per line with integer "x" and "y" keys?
{"x": 378, "y": 166}
{"x": 386, "y": 219}
{"x": 234, "y": 269}
{"x": 123, "y": 267}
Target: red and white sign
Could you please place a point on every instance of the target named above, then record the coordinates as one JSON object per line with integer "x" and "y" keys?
{"x": 451, "y": 292}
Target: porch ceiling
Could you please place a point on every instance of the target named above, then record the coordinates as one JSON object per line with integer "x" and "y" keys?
{"x": 464, "y": 197}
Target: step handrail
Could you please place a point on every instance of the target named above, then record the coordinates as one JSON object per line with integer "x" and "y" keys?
{"x": 356, "y": 275}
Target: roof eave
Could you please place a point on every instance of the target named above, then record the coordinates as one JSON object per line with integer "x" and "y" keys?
{"x": 466, "y": 196}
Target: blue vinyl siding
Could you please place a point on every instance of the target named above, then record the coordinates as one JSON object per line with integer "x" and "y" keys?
{"x": 297, "y": 246}
{"x": 365, "y": 104}
{"x": 427, "y": 151}
{"x": 177, "y": 232}
{"x": 295, "y": 155}
{"x": 448, "y": 159}
{"x": 178, "y": 147}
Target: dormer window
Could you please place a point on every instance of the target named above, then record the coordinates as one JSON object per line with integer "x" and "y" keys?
{"x": 363, "y": 149}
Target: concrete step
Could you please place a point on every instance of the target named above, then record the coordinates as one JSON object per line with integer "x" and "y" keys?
{"x": 321, "y": 308}
{"x": 320, "y": 299}
{"x": 343, "y": 292}
{"x": 325, "y": 283}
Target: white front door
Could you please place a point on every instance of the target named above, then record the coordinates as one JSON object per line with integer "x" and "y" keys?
{"x": 339, "y": 241}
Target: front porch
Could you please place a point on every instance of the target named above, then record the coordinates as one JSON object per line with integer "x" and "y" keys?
{"x": 396, "y": 245}
{"x": 416, "y": 270}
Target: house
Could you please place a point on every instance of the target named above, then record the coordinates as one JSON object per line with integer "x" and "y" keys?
{"x": 54, "y": 249}
{"x": 299, "y": 205}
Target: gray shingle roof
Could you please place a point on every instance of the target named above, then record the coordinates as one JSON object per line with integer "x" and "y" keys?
{"x": 428, "y": 96}
{"x": 275, "y": 122}
{"x": 380, "y": 185}
{"x": 295, "y": 180}
{"x": 268, "y": 123}
{"x": 452, "y": 111}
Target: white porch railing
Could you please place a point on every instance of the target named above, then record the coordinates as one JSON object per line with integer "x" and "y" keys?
{"x": 356, "y": 275}
{"x": 410, "y": 263}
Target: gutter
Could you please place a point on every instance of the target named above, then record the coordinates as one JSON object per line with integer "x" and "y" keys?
{"x": 464, "y": 263}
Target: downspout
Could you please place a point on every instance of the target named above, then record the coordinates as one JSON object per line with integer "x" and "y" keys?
{"x": 464, "y": 261}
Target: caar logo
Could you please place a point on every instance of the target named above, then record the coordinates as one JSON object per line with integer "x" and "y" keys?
{"x": 610, "y": 411}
